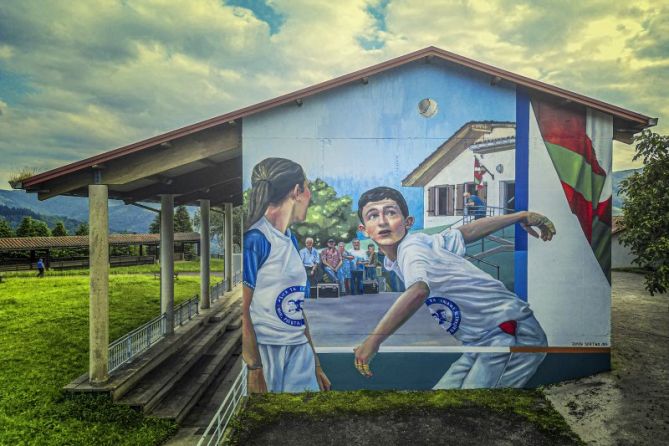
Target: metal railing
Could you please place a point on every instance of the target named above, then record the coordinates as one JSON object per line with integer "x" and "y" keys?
{"x": 185, "y": 311}
{"x": 215, "y": 432}
{"x": 216, "y": 291}
{"x": 137, "y": 341}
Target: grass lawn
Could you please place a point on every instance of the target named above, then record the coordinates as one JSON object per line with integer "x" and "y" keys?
{"x": 179, "y": 267}
{"x": 281, "y": 412}
{"x": 44, "y": 345}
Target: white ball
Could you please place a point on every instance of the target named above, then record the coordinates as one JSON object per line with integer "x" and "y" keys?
{"x": 428, "y": 107}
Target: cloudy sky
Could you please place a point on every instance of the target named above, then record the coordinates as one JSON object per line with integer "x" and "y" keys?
{"x": 80, "y": 78}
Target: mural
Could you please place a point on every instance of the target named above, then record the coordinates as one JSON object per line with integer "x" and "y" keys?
{"x": 395, "y": 215}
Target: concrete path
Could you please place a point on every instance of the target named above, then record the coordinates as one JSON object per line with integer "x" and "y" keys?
{"x": 630, "y": 405}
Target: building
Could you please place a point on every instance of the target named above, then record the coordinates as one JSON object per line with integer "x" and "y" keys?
{"x": 414, "y": 123}
{"x": 448, "y": 172}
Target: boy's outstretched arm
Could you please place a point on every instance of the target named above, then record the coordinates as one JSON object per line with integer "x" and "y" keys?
{"x": 403, "y": 308}
{"x": 478, "y": 229}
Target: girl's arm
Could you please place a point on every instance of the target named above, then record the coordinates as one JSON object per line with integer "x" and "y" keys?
{"x": 323, "y": 381}
{"x": 250, "y": 353}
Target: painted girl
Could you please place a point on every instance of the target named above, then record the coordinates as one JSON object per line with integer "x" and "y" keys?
{"x": 276, "y": 344}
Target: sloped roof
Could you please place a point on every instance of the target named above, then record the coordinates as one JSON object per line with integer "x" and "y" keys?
{"x": 450, "y": 149}
{"x": 631, "y": 121}
{"x": 81, "y": 241}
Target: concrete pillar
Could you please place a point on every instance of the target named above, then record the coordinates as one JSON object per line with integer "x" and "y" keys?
{"x": 204, "y": 254}
{"x": 167, "y": 261}
{"x": 228, "y": 245}
{"x": 98, "y": 248}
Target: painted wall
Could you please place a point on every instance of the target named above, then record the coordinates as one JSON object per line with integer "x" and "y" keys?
{"x": 361, "y": 136}
{"x": 566, "y": 286}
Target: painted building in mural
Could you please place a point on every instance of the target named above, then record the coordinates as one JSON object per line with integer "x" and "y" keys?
{"x": 434, "y": 126}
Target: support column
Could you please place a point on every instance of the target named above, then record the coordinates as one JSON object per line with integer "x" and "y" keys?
{"x": 204, "y": 254}
{"x": 167, "y": 261}
{"x": 98, "y": 249}
{"x": 228, "y": 245}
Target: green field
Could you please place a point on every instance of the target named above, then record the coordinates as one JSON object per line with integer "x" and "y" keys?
{"x": 44, "y": 345}
{"x": 180, "y": 267}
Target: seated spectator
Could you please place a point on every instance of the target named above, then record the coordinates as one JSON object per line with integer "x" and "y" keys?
{"x": 358, "y": 267}
{"x": 331, "y": 261}
{"x": 310, "y": 260}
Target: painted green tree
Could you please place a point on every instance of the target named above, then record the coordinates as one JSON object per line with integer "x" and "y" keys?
{"x": 5, "y": 229}
{"x": 646, "y": 210}
{"x": 329, "y": 216}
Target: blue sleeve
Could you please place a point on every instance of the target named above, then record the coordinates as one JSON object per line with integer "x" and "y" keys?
{"x": 256, "y": 252}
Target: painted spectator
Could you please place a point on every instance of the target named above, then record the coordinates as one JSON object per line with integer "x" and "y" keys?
{"x": 345, "y": 270}
{"x": 474, "y": 205}
{"x": 372, "y": 262}
{"x": 360, "y": 233}
{"x": 358, "y": 269}
{"x": 331, "y": 261}
{"x": 310, "y": 260}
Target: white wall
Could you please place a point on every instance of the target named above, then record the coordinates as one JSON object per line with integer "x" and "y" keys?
{"x": 566, "y": 287}
{"x": 621, "y": 256}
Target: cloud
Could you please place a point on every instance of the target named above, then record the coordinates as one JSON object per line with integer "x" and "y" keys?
{"x": 79, "y": 78}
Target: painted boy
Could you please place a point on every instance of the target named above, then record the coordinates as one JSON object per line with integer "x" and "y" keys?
{"x": 467, "y": 302}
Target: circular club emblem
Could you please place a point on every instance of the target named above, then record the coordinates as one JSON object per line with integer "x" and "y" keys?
{"x": 445, "y": 312}
{"x": 289, "y": 306}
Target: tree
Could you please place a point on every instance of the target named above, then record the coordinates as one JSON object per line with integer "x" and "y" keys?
{"x": 154, "y": 227}
{"x": 40, "y": 229}
{"x": 59, "y": 230}
{"x": 5, "y": 229}
{"x": 26, "y": 228}
{"x": 646, "y": 210}
{"x": 82, "y": 229}
{"x": 182, "y": 221}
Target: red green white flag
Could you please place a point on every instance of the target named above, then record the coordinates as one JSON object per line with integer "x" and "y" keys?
{"x": 584, "y": 170}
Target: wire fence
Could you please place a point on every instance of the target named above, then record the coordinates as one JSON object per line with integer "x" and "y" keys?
{"x": 215, "y": 432}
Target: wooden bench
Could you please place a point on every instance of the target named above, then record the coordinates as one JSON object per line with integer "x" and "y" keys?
{"x": 157, "y": 276}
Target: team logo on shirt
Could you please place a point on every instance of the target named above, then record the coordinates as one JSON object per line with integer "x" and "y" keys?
{"x": 289, "y": 306}
{"x": 445, "y": 312}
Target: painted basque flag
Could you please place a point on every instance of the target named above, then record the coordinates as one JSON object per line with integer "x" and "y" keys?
{"x": 478, "y": 174}
{"x": 583, "y": 169}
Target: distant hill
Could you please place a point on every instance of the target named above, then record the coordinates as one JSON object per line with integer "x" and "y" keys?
{"x": 15, "y": 204}
{"x": 618, "y": 200}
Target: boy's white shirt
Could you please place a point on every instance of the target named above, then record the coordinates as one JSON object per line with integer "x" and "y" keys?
{"x": 465, "y": 301}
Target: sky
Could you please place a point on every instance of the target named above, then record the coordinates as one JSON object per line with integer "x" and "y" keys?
{"x": 81, "y": 78}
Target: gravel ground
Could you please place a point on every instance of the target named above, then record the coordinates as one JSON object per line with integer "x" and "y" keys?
{"x": 630, "y": 405}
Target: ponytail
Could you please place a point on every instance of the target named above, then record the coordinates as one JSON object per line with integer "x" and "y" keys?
{"x": 272, "y": 180}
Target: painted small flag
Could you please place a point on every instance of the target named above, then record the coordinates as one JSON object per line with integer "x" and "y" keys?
{"x": 478, "y": 174}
